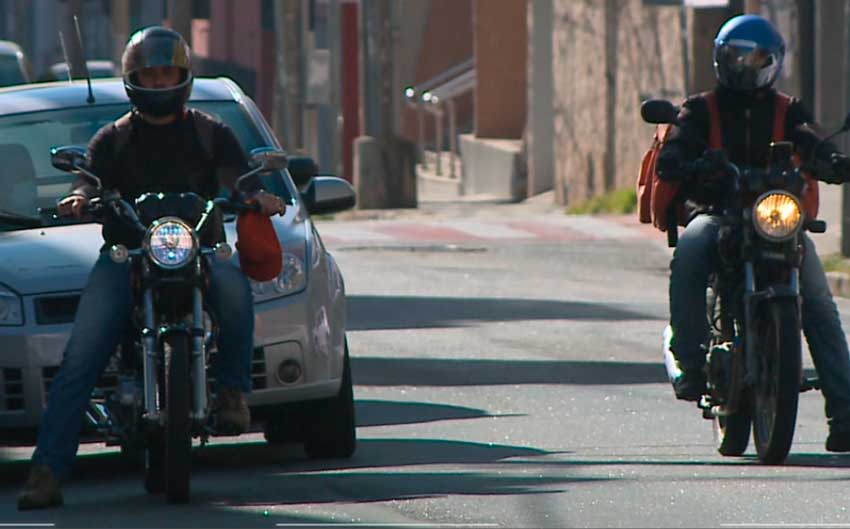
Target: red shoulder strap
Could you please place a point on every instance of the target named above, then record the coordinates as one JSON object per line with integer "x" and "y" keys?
{"x": 782, "y": 103}
{"x": 715, "y": 131}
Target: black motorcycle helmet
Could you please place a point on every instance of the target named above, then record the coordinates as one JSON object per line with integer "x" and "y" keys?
{"x": 157, "y": 46}
{"x": 748, "y": 53}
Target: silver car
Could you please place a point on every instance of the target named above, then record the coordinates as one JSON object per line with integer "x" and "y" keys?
{"x": 300, "y": 374}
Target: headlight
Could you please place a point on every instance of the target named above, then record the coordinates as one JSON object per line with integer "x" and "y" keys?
{"x": 11, "y": 309}
{"x": 170, "y": 243}
{"x": 777, "y": 216}
{"x": 291, "y": 279}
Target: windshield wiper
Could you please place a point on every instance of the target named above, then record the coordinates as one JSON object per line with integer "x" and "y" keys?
{"x": 16, "y": 219}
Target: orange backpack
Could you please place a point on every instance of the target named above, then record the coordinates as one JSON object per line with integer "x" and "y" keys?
{"x": 656, "y": 196}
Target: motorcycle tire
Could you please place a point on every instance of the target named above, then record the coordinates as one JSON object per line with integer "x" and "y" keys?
{"x": 178, "y": 438}
{"x": 332, "y": 429}
{"x": 777, "y": 391}
{"x": 733, "y": 431}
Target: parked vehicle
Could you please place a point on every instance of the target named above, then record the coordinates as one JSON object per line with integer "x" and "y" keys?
{"x": 754, "y": 363}
{"x": 98, "y": 69}
{"x": 14, "y": 67}
{"x": 301, "y": 379}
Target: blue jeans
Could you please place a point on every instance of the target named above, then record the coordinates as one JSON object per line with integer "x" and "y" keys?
{"x": 693, "y": 261}
{"x": 101, "y": 321}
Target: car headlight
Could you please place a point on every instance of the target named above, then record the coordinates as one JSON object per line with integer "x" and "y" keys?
{"x": 291, "y": 279}
{"x": 11, "y": 308}
{"x": 170, "y": 243}
{"x": 777, "y": 215}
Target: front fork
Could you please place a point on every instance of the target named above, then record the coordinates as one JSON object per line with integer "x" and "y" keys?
{"x": 752, "y": 300}
{"x": 150, "y": 353}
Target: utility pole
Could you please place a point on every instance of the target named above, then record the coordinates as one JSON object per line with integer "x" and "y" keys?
{"x": 120, "y": 28}
{"x": 384, "y": 163}
{"x": 180, "y": 16}
{"x": 287, "y": 117}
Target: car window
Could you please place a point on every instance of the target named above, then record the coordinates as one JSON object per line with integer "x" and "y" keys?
{"x": 26, "y": 140}
{"x": 10, "y": 71}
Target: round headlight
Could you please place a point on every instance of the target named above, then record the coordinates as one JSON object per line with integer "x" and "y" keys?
{"x": 777, "y": 215}
{"x": 171, "y": 243}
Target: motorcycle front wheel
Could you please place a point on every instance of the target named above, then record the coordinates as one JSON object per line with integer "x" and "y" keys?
{"x": 178, "y": 438}
{"x": 777, "y": 389}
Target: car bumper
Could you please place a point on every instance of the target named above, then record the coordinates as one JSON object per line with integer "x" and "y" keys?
{"x": 284, "y": 331}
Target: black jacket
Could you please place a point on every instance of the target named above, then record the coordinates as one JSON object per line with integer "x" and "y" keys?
{"x": 746, "y": 121}
{"x": 162, "y": 158}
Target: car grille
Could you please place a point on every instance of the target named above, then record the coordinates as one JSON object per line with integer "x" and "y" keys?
{"x": 108, "y": 381}
{"x": 12, "y": 385}
{"x": 51, "y": 310}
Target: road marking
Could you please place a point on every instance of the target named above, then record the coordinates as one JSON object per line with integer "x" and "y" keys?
{"x": 366, "y": 524}
{"x": 785, "y": 525}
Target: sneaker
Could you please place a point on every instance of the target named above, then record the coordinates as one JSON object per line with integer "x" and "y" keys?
{"x": 838, "y": 441}
{"x": 41, "y": 490}
{"x": 690, "y": 385}
{"x": 233, "y": 416}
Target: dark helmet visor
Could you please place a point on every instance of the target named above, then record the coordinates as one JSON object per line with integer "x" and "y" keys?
{"x": 156, "y": 48}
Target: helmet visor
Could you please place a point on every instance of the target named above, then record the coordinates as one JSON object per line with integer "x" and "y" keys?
{"x": 742, "y": 65}
{"x": 145, "y": 51}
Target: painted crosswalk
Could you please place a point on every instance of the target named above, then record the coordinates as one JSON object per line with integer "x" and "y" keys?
{"x": 542, "y": 228}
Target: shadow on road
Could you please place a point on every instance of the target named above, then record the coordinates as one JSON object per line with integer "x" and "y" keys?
{"x": 385, "y": 412}
{"x": 414, "y": 312}
{"x": 374, "y": 371}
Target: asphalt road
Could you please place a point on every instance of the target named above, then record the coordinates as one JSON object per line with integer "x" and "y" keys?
{"x": 500, "y": 382}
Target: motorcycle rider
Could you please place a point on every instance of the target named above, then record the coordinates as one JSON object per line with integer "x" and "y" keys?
{"x": 748, "y": 54}
{"x": 164, "y": 154}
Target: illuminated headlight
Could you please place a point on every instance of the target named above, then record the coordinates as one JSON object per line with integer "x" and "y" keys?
{"x": 170, "y": 243}
{"x": 291, "y": 279}
{"x": 11, "y": 311}
{"x": 777, "y": 216}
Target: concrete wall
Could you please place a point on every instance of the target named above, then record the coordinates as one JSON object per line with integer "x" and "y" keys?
{"x": 599, "y": 136}
{"x": 540, "y": 131}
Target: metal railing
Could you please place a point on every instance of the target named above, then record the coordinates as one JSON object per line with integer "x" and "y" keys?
{"x": 436, "y": 96}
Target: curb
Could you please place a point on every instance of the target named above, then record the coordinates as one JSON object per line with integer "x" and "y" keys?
{"x": 839, "y": 283}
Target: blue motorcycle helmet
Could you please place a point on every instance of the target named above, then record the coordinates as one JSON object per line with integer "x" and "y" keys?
{"x": 748, "y": 53}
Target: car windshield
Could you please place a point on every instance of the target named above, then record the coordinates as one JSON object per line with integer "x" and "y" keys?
{"x": 10, "y": 71}
{"x": 30, "y": 183}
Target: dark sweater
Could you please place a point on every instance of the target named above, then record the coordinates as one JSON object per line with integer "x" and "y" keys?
{"x": 163, "y": 158}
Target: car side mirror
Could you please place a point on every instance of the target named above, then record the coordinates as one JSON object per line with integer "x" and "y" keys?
{"x": 302, "y": 169}
{"x": 269, "y": 159}
{"x": 659, "y": 111}
{"x": 69, "y": 158}
{"x": 328, "y": 194}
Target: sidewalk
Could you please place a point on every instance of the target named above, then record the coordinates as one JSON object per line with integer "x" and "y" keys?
{"x": 442, "y": 207}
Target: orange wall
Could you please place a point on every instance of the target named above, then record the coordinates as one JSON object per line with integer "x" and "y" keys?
{"x": 501, "y": 48}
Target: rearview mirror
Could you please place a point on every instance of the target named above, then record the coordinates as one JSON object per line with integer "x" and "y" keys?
{"x": 658, "y": 111}
{"x": 68, "y": 158}
{"x": 269, "y": 159}
{"x": 328, "y": 194}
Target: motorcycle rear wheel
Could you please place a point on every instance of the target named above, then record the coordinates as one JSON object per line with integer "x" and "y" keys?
{"x": 777, "y": 390}
{"x": 178, "y": 437}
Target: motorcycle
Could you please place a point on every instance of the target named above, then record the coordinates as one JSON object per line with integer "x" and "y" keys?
{"x": 754, "y": 350}
{"x": 163, "y": 398}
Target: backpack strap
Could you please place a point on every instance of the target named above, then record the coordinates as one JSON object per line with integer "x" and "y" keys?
{"x": 123, "y": 131}
{"x": 783, "y": 101}
{"x": 205, "y": 128}
{"x": 715, "y": 130}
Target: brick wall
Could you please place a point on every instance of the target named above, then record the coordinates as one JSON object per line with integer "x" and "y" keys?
{"x": 599, "y": 136}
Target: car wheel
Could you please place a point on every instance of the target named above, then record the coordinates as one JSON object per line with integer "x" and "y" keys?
{"x": 331, "y": 431}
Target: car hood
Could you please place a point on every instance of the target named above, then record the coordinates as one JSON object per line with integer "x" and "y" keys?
{"x": 59, "y": 259}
